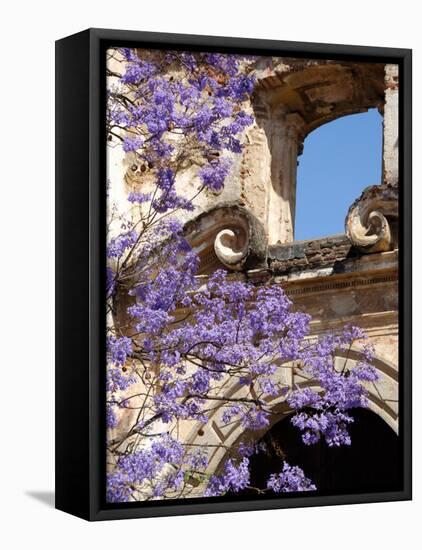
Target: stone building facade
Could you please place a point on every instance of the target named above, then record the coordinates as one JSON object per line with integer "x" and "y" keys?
{"x": 248, "y": 228}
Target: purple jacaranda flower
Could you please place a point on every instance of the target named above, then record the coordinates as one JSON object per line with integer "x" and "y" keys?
{"x": 290, "y": 479}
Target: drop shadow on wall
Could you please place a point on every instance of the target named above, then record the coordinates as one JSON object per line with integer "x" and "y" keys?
{"x": 45, "y": 497}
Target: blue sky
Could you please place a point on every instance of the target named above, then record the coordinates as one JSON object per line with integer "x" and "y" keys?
{"x": 339, "y": 160}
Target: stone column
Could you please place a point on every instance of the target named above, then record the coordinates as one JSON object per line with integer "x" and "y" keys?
{"x": 391, "y": 126}
{"x": 288, "y": 131}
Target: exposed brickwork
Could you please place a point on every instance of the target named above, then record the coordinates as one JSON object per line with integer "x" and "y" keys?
{"x": 312, "y": 254}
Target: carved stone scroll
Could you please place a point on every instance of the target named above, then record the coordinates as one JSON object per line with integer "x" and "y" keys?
{"x": 369, "y": 222}
{"x": 227, "y": 236}
{"x": 231, "y": 246}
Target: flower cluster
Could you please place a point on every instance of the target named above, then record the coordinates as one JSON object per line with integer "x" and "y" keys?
{"x": 147, "y": 470}
{"x": 214, "y": 173}
{"x": 323, "y": 411}
{"x": 117, "y": 246}
{"x": 290, "y": 479}
{"x": 234, "y": 478}
{"x": 118, "y": 349}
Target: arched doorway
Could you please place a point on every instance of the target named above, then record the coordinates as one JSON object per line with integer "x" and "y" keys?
{"x": 370, "y": 464}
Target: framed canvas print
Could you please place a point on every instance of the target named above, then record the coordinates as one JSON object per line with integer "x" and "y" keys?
{"x": 233, "y": 274}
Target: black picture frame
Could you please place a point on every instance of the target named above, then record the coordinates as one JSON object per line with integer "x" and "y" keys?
{"x": 80, "y": 262}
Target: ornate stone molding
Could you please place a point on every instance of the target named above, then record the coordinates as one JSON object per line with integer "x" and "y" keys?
{"x": 341, "y": 285}
{"x": 369, "y": 220}
{"x": 228, "y": 235}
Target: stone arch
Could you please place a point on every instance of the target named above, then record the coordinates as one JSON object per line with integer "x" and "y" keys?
{"x": 291, "y": 100}
{"x": 382, "y": 400}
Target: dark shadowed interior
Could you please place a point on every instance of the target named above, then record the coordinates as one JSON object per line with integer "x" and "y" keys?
{"x": 370, "y": 464}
